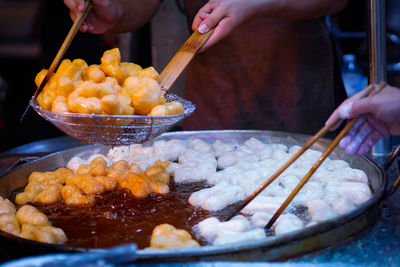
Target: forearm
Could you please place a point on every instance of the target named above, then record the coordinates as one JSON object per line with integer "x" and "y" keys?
{"x": 133, "y": 14}
{"x": 299, "y": 9}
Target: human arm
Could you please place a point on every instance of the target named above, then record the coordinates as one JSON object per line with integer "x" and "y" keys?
{"x": 226, "y": 15}
{"x": 379, "y": 117}
{"x": 113, "y": 15}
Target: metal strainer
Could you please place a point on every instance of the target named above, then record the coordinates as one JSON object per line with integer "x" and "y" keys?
{"x": 122, "y": 129}
{"x": 114, "y": 129}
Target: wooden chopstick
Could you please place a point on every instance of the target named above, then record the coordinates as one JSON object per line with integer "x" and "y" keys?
{"x": 395, "y": 185}
{"x": 326, "y": 153}
{"x": 303, "y": 181}
{"x": 182, "y": 58}
{"x": 361, "y": 94}
{"x": 64, "y": 47}
{"x": 392, "y": 158}
{"x": 387, "y": 165}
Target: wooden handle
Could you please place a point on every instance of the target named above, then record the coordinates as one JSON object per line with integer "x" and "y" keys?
{"x": 182, "y": 58}
{"x": 64, "y": 47}
{"x": 67, "y": 42}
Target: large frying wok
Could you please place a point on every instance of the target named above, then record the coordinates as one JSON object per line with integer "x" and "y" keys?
{"x": 281, "y": 247}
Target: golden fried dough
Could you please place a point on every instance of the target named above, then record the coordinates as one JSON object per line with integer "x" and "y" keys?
{"x": 110, "y": 88}
{"x": 166, "y": 236}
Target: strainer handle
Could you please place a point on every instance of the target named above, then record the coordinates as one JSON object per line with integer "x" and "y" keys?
{"x": 182, "y": 58}
{"x": 64, "y": 47}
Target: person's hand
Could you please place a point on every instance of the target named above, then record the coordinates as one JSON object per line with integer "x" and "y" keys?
{"x": 225, "y": 16}
{"x": 379, "y": 117}
{"x": 101, "y": 18}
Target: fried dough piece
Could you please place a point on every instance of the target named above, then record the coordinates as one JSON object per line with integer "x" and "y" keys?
{"x": 9, "y": 223}
{"x": 28, "y": 214}
{"x": 166, "y": 236}
{"x": 167, "y": 109}
{"x": 144, "y": 92}
{"x": 45, "y": 234}
{"x": 72, "y": 195}
{"x": 155, "y": 179}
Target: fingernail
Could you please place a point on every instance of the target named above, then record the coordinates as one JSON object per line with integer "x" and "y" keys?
{"x": 352, "y": 147}
{"x": 344, "y": 142}
{"x": 365, "y": 147}
{"x": 363, "y": 150}
{"x": 203, "y": 28}
{"x": 83, "y": 27}
{"x": 345, "y": 109}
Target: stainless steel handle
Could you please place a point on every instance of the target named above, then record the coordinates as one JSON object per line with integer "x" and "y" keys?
{"x": 9, "y": 161}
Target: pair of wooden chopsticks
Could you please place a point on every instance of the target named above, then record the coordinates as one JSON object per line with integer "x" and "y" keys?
{"x": 370, "y": 90}
{"x": 64, "y": 47}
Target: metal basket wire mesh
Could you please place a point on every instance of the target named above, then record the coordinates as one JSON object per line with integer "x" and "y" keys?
{"x": 114, "y": 129}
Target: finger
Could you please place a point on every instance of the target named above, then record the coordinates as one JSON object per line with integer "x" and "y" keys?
{"x": 75, "y": 5}
{"x": 369, "y": 142}
{"x": 102, "y": 3}
{"x": 353, "y": 131}
{"x": 213, "y": 19}
{"x": 344, "y": 110}
{"x": 223, "y": 29}
{"x": 201, "y": 15}
{"x": 70, "y": 4}
{"x": 378, "y": 125}
{"x": 340, "y": 112}
{"x": 351, "y": 134}
{"x": 359, "y": 138}
{"x": 84, "y": 27}
{"x": 362, "y": 106}
{"x": 345, "y": 141}
{"x": 90, "y": 28}
{"x": 334, "y": 127}
{"x": 333, "y": 116}
{"x": 73, "y": 15}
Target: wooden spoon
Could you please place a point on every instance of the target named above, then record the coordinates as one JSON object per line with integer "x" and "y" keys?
{"x": 182, "y": 58}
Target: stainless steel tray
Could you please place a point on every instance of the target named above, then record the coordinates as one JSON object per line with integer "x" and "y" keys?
{"x": 280, "y": 247}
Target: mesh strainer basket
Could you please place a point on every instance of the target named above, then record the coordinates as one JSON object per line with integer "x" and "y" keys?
{"x": 114, "y": 129}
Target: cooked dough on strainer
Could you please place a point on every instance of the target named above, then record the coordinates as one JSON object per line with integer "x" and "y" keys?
{"x": 111, "y": 88}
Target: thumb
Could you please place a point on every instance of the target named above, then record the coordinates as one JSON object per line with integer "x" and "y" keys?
{"x": 330, "y": 122}
{"x": 361, "y": 107}
{"x": 211, "y": 20}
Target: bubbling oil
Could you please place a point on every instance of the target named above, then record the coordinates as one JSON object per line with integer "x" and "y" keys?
{"x": 118, "y": 217}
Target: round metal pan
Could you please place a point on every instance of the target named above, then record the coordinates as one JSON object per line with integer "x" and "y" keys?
{"x": 275, "y": 248}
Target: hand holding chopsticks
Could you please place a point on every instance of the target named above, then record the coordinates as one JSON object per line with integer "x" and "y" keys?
{"x": 64, "y": 47}
{"x": 335, "y": 120}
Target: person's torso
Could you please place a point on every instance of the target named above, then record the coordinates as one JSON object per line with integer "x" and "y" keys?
{"x": 268, "y": 74}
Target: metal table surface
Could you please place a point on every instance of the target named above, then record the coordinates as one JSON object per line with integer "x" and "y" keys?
{"x": 377, "y": 246}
